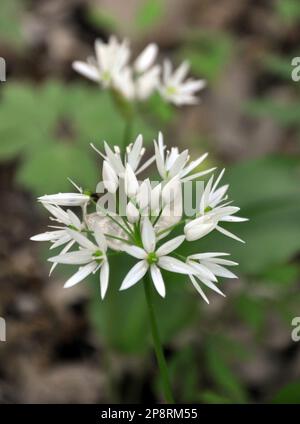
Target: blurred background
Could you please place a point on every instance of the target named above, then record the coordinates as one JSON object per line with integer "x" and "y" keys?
{"x": 69, "y": 346}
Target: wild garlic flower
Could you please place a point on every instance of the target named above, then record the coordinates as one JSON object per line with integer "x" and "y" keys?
{"x": 147, "y": 220}
{"x": 174, "y": 89}
{"x": 137, "y": 80}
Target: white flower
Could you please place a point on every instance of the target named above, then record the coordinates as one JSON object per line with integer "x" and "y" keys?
{"x": 173, "y": 87}
{"x": 65, "y": 199}
{"x": 174, "y": 163}
{"x": 132, "y": 157}
{"x": 207, "y": 267}
{"x": 140, "y": 79}
{"x": 150, "y": 213}
{"x": 152, "y": 259}
{"x": 131, "y": 182}
{"x": 59, "y": 235}
{"x": 213, "y": 209}
{"x": 110, "y": 178}
{"x": 110, "y": 61}
{"x": 92, "y": 256}
{"x": 147, "y": 75}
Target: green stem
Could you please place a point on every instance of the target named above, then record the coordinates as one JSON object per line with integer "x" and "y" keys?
{"x": 157, "y": 343}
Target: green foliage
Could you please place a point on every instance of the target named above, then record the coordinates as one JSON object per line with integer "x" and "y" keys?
{"x": 289, "y": 394}
{"x": 288, "y": 10}
{"x": 251, "y": 310}
{"x": 10, "y": 22}
{"x": 208, "y": 53}
{"x": 150, "y": 13}
{"x": 285, "y": 114}
{"x": 50, "y": 127}
{"x": 218, "y": 357}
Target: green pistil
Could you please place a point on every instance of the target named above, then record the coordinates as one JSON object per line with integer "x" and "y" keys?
{"x": 98, "y": 256}
{"x": 171, "y": 90}
{"x": 106, "y": 76}
{"x": 152, "y": 258}
{"x": 72, "y": 227}
{"x": 87, "y": 192}
{"x": 207, "y": 209}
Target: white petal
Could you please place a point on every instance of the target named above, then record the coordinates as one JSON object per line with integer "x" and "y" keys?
{"x": 146, "y": 58}
{"x": 81, "y": 274}
{"x": 148, "y": 235}
{"x": 75, "y": 221}
{"x": 134, "y": 275}
{"x": 81, "y": 239}
{"x": 179, "y": 163}
{"x": 169, "y": 246}
{"x": 174, "y": 265}
{"x": 198, "y": 288}
{"x": 110, "y": 178}
{"x": 100, "y": 239}
{"x": 79, "y": 257}
{"x": 202, "y": 271}
{"x": 219, "y": 270}
{"x": 159, "y": 160}
{"x": 88, "y": 71}
{"x": 65, "y": 250}
{"x": 158, "y": 280}
{"x": 171, "y": 190}
{"x": 228, "y": 234}
{"x": 104, "y": 277}
{"x": 207, "y": 255}
{"x": 131, "y": 182}
{"x": 132, "y": 213}
{"x": 134, "y": 154}
{"x": 135, "y": 251}
{"x": 65, "y": 199}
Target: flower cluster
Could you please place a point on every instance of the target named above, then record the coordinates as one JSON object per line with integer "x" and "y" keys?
{"x": 143, "y": 228}
{"x": 111, "y": 68}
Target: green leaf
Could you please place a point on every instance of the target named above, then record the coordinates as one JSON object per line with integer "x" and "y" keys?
{"x": 251, "y": 310}
{"x": 221, "y": 373}
{"x": 289, "y": 394}
{"x": 47, "y": 169}
{"x": 149, "y": 13}
{"x": 10, "y": 22}
{"x": 207, "y": 53}
{"x": 288, "y": 10}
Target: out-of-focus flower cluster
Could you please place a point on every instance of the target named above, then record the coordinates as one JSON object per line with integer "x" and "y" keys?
{"x": 111, "y": 67}
{"x": 142, "y": 224}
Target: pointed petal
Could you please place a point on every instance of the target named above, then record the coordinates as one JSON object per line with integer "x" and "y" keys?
{"x": 198, "y": 288}
{"x": 148, "y": 235}
{"x": 135, "y": 251}
{"x": 134, "y": 275}
{"x": 174, "y": 265}
{"x": 104, "y": 277}
{"x": 229, "y": 234}
{"x": 158, "y": 280}
{"x": 81, "y": 274}
{"x": 81, "y": 239}
{"x": 169, "y": 246}
{"x": 88, "y": 71}
{"x": 79, "y": 257}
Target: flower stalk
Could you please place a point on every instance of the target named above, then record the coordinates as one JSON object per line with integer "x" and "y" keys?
{"x": 161, "y": 360}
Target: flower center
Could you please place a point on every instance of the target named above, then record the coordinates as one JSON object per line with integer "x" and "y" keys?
{"x": 152, "y": 258}
{"x": 171, "y": 90}
{"x": 98, "y": 256}
{"x": 207, "y": 209}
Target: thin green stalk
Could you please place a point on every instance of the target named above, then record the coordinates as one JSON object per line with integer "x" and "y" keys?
{"x": 157, "y": 343}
